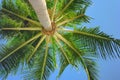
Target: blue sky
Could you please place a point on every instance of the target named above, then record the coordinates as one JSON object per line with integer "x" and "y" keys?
{"x": 106, "y": 15}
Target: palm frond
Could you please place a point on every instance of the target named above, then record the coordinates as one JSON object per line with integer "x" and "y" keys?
{"x": 72, "y": 5}
{"x": 22, "y": 45}
{"x": 54, "y": 10}
{"x": 12, "y": 63}
{"x": 77, "y": 52}
{"x": 23, "y": 29}
{"x": 53, "y": 49}
{"x": 50, "y": 4}
{"x": 6, "y": 21}
{"x": 87, "y": 57}
{"x": 67, "y": 5}
{"x": 72, "y": 17}
{"x": 63, "y": 65}
{"x": 64, "y": 53}
{"x": 68, "y": 43}
{"x": 22, "y": 17}
{"x": 63, "y": 61}
{"x": 44, "y": 61}
{"x": 37, "y": 46}
{"x": 104, "y": 44}
{"x": 43, "y": 66}
{"x": 92, "y": 68}
{"x": 19, "y": 10}
{"x": 69, "y": 20}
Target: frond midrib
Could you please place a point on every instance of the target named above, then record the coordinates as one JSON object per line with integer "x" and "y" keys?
{"x": 86, "y": 34}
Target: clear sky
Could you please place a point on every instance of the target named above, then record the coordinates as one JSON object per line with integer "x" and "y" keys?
{"x": 106, "y": 15}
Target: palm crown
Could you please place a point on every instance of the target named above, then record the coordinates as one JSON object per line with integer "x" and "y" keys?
{"x": 37, "y": 51}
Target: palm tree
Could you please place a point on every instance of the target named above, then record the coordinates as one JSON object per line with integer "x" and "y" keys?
{"x": 38, "y": 38}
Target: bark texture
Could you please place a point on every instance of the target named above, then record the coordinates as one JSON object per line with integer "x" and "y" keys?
{"x": 41, "y": 10}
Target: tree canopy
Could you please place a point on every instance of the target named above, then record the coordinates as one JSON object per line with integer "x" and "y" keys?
{"x": 37, "y": 52}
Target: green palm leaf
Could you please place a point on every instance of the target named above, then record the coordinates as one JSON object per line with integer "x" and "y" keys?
{"x": 22, "y": 17}
{"x": 12, "y": 63}
{"x": 91, "y": 66}
{"x": 92, "y": 37}
{"x": 44, "y": 64}
{"x": 2, "y": 59}
{"x": 62, "y": 50}
{"x": 41, "y": 40}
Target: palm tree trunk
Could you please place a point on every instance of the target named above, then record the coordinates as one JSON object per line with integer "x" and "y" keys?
{"x": 41, "y": 10}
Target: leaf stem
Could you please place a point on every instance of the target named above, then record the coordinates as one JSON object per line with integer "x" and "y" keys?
{"x": 45, "y": 58}
{"x": 54, "y": 10}
{"x": 58, "y": 42}
{"x": 85, "y": 34}
{"x": 37, "y": 46}
{"x": 69, "y": 20}
{"x": 24, "y": 29}
{"x": 75, "y": 50}
{"x": 69, "y": 3}
{"x": 22, "y": 17}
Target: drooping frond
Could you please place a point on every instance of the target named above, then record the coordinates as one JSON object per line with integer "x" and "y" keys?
{"x": 19, "y": 47}
{"x": 92, "y": 68}
{"x": 64, "y": 53}
{"x": 43, "y": 64}
{"x": 79, "y": 53}
{"x": 63, "y": 65}
{"x": 12, "y": 63}
{"x": 63, "y": 61}
{"x": 44, "y": 61}
{"x": 104, "y": 44}
{"x": 68, "y": 43}
{"x": 77, "y": 61}
{"x": 37, "y": 46}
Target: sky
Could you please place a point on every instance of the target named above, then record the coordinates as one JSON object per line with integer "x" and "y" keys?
{"x": 105, "y": 13}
